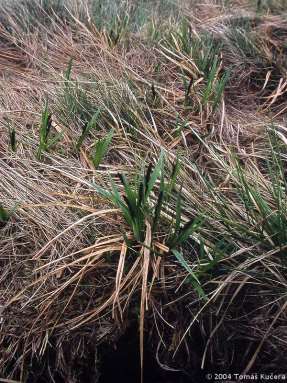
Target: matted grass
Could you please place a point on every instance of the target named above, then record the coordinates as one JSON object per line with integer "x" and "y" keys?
{"x": 143, "y": 166}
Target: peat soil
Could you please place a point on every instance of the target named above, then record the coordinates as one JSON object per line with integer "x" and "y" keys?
{"x": 120, "y": 362}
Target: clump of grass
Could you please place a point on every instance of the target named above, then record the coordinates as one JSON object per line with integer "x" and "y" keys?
{"x": 87, "y": 128}
{"x": 4, "y": 216}
{"x": 101, "y": 149}
{"x": 75, "y": 106}
{"x": 243, "y": 42}
{"x": 138, "y": 209}
{"x": 143, "y": 218}
{"x": 131, "y": 16}
{"x": 203, "y": 74}
{"x": 46, "y": 141}
{"x": 30, "y": 14}
{"x": 205, "y": 51}
{"x": 45, "y": 127}
{"x": 12, "y": 136}
{"x": 118, "y": 29}
{"x": 215, "y": 86}
{"x": 270, "y": 6}
{"x": 135, "y": 204}
{"x": 263, "y": 202}
{"x": 268, "y": 218}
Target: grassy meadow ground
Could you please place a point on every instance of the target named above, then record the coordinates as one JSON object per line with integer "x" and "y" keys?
{"x": 143, "y": 180}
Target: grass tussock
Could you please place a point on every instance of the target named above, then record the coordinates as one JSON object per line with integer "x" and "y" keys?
{"x": 143, "y": 180}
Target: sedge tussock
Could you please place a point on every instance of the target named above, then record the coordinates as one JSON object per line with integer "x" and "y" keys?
{"x": 142, "y": 166}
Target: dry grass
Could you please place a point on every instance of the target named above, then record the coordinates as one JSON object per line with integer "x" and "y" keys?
{"x": 207, "y": 86}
